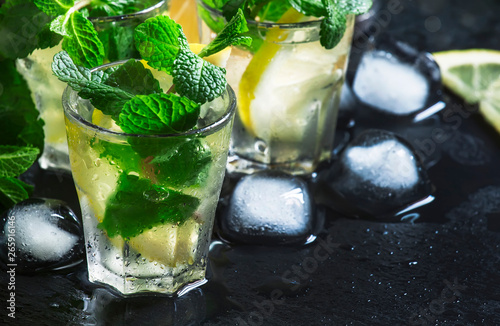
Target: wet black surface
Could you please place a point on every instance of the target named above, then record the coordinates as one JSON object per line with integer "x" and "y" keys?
{"x": 441, "y": 266}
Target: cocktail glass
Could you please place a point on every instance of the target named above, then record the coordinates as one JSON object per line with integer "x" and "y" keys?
{"x": 148, "y": 202}
{"x": 47, "y": 90}
{"x": 288, "y": 88}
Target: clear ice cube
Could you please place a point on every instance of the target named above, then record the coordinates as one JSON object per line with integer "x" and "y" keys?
{"x": 40, "y": 235}
{"x": 269, "y": 207}
{"x": 377, "y": 175}
{"x": 396, "y": 80}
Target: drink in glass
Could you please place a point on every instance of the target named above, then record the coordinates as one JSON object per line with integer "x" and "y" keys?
{"x": 148, "y": 201}
{"x": 288, "y": 88}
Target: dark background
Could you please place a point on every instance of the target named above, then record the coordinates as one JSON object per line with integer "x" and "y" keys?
{"x": 444, "y": 269}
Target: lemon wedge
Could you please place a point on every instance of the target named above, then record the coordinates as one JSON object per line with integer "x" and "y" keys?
{"x": 474, "y": 75}
{"x": 168, "y": 244}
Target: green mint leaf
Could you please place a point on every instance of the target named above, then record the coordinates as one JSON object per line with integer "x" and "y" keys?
{"x": 355, "y": 7}
{"x": 12, "y": 191}
{"x": 313, "y": 8}
{"x": 83, "y": 44}
{"x": 138, "y": 205}
{"x": 21, "y": 26}
{"x": 230, "y": 8}
{"x": 197, "y": 79}
{"x": 158, "y": 40}
{"x": 108, "y": 91}
{"x": 158, "y": 114}
{"x": 15, "y": 160}
{"x": 215, "y": 23}
{"x": 333, "y": 25}
{"x": 184, "y": 163}
{"x": 54, "y": 7}
{"x": 60, "y": 26}
{"x": 118, "y": 42}
{"x": 273, "y": 10}
{"x": 105, "y": 8}
{"x": 230, "y": 35}
{"x": 19, "y": 119}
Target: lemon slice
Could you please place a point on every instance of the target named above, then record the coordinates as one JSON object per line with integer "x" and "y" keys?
{"x": 168, "y": 244}
{"x": 474, "y": 75}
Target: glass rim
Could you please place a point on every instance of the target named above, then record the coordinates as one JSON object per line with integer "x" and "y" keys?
{"x": 107, "y": 19}
{"x": 310, "y": 23}
{"x": 215, "y": 126}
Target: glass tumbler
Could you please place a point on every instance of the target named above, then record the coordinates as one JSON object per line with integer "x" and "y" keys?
{"x": 148, "y": 201}
{"x": 288, "y": 89}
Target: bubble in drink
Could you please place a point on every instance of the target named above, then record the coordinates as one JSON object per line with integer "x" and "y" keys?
{"x": 45, "y": 233}
{"x": 269, "y": 207}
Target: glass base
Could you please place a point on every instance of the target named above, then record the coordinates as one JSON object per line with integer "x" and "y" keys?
{"x": 164, "y": 285}
{"x": 240, "y": 165}
{"x": 54, "y": 158}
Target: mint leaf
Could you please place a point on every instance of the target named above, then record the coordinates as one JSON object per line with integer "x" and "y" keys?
{"x": 182, "y": 164}
{"x": 158, "y": 40}
{"x": 12, "y": 191}
{"x": 118, "y": 42}
{"x": 197, "y": 79}
{"x": 21, "y": 26}
{"x": 333, "y": 25}
{"x": 230, "y": 35}
{"x": 15, "y": 160}
{"x": 139, "y": 205}
{"x": 104, "y": 8}
{"x": 231, "y": 7}
{"x": 273, "y": 10}
{"x": 106, "y": 91}
{"x": 19, "y": 118}
{"x": 83, "y": 44}
{"x": 54, "y": 7}
{"x": 313, "y": 8}
{"x": 158, "y": 114}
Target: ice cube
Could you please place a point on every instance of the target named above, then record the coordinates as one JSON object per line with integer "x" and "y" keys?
{"x": 378, "y": 174}
{"x": 397, "y": 80}
{"x": 390, "y": 85}
{"x": 269, "y": 207}
{"x": 41, "y": 234}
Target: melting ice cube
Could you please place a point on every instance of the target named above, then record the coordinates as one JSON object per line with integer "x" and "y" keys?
{"x": 44, "y": 233}
{"x": 398, "y": 81}
{"x": 383, "y": 81}
{"x": 269, "y": 207}
{"x": 378, "y": 173}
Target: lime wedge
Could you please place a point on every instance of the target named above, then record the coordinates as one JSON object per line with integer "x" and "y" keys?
{"x": 474, "y": 75}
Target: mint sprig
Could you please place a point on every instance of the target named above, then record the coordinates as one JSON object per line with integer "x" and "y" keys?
{"x": 158, "y": 40}
{"x": 333, "y": 13}
{"x": 138, "y": 205}
{"x": 230, "y": 35}
{"x": 109, "y": 91}
{"x": 22, "y": 135}
{"x": 80, "y": 38}
{"x": 14, "y": 160}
